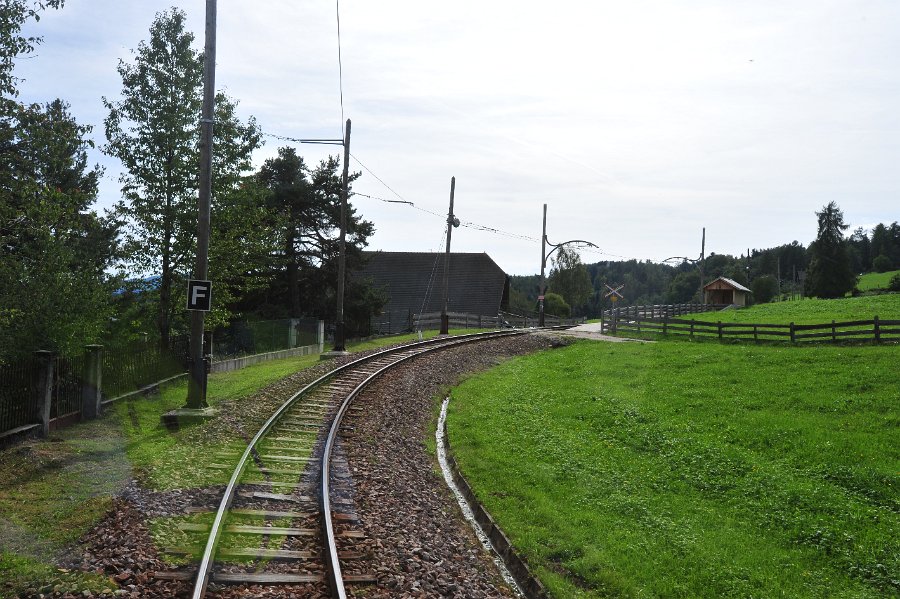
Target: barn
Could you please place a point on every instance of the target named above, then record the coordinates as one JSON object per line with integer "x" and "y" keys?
{"x": 725, "y": 291}
{"x": 414, "y": 284}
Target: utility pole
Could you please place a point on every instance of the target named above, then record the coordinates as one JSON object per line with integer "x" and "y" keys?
{"x": 702, "y": 256}
{"x": 779, "y": 279}
{"x": 542, "y": 288}
{"x": 342, "y": 260}
{"x": 452, "y": 221}
{"x": 198, "y": 362}
{"x": 544, "y": 243}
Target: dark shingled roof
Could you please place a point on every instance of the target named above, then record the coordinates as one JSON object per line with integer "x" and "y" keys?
{"x": 477, "y": 284}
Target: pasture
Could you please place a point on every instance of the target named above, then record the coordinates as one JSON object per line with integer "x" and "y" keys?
{"x": 811, "y": 311}
{"x": 692, "y": 470}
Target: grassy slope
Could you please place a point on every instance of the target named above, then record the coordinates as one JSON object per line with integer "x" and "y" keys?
{"x": 875, "y": 280}
{"x": 812, "y": 311}
{"x": 692, "y": 470}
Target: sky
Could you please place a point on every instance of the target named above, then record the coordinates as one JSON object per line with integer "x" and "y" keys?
{"x": 637, "y": 123}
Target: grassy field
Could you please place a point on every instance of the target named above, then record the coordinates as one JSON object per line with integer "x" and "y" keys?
{"x": 812, "y": 311}
{"x": 875, "y": 280}
{"x": 692, "y": 470}
{"x": 53, "y": 491}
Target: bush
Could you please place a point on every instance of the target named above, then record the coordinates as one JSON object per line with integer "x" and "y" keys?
{"x": 882, "y": 263}
{"x": 555, "y": 304}
{"x": 894, "y": 285}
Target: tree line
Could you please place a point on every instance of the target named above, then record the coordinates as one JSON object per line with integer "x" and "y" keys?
{"x": 70, "y": 275}
{"x": 828, "y": 267}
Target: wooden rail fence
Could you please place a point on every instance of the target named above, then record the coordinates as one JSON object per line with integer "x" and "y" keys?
{"x": 635, "y": 322}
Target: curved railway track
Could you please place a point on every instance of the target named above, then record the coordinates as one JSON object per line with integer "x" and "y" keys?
{"x": 287, "y": 515}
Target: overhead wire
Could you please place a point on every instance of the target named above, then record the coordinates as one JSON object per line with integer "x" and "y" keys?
{"x": 466, "y": 224}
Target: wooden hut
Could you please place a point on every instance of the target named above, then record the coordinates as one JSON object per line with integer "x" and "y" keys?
{"x": 725, "y": 291}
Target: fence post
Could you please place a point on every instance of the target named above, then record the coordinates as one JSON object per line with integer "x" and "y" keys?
{"x": 719, "y": 324}
{"x": 43, "y": 390}
{"x": 320, "y": 336}
{"x": 92, "y": 382}
{"x": 793, "y": 334}
{"x": 692, "y": 327}
{"x": 665, "y": 325}
{"x": 877, "y": 330}
{"x": 833, "y": 335}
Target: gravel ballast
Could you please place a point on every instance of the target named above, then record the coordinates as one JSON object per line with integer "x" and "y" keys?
{"x": 417, "y": 543}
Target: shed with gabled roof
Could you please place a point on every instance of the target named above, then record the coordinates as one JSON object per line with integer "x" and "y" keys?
{"x": 725, "y": 291}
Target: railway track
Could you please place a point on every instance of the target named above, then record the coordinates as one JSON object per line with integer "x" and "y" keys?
{"x": 287, "y": 515}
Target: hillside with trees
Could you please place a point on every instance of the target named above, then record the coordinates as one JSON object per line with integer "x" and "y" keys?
{"x": 827, "y": 267}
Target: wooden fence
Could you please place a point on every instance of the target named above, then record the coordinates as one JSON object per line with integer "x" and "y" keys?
{"x": 458, "y": 320}
{"x": 876, "y": 330}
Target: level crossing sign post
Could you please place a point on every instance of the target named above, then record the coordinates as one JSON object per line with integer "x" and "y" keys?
{"x": 614, "y": 296}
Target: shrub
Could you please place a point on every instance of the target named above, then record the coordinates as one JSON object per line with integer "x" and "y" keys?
{"x": 894, "y": 285}
{"x": 882, "y": 263}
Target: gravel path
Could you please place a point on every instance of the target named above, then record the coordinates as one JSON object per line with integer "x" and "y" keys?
{"x": 417, "y": 543}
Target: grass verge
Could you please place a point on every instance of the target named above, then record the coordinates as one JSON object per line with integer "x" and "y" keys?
{"x": 689, "y": 470}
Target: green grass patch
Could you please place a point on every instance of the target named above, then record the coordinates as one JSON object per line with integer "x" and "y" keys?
{"x": 875, "y": 280}
{"x": 811, "y": 311}
{"x": 21, "y": 576}
{"x": 692, "y": 470}
{"x": 379, "y": 342}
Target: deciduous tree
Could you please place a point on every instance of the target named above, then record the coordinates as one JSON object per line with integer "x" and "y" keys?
{"x": 154, "y": 131}
{"x": 570, "y": 279}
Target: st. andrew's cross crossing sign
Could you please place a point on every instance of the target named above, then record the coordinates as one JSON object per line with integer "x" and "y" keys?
{"x": 199, "y": 295}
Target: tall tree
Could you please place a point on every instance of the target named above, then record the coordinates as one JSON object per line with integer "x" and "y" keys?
{"x": 54, "y": 250}
{"x": 829, "y": 274}
{"x": 154, "y": 131}
{"x": 13, "y": 15}
{"x": 570, "y": 279}
{"x": 306, "y": 205}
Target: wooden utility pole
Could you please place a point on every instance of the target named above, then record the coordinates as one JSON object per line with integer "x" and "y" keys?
{"x": 452, "y": 221}
{"x": 779, "y": 279}
{"x": 342, "y": 260}
{"x": 198, "y": 362}
{"x": 702, "y": 256}
{"x": 543, "y": 287}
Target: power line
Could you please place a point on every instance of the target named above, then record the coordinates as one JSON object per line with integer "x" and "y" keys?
{"x": 467, "y": 224}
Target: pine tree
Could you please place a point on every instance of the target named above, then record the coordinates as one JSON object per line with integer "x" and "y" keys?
{"x": 829, "y": 274}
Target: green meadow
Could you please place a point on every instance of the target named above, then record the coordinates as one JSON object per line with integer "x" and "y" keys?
{"x": 811, "y": 311}
{"x": 678, "y": 469}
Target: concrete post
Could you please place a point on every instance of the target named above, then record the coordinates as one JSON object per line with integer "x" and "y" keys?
{"x": 320, "y": 334}
{"x": 92, "y": 382}
{"x": 43, "y": 390}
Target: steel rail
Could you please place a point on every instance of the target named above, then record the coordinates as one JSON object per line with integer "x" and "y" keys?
{"x": 206, "y": 562}
{"x": 333, "y": 569}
